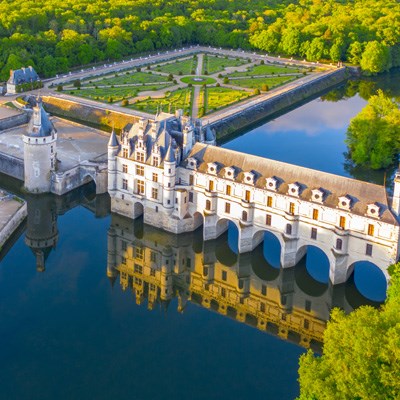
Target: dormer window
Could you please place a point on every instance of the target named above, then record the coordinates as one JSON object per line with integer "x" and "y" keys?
{"x": 156, "y": 161}
{"x": 139, "y": 156}
{"x": 344, "y": 202}
{"x": 272, "y": 184}
{"x": 294, "y": 189}
{"x": 212, "y": 168}
{"x": 373, "y": 210}
{"x": 248, "y": 178}
{"x": 192, "y": 163}
{"x": 317, "y": 195}
{"x": 229, "y": 173}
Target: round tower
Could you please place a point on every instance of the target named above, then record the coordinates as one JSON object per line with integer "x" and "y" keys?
{"x": 41, "y": 233}
{"x": 169, "y": 177}
{"x": 113, "y": 149}
{"x": 39, "y": 151}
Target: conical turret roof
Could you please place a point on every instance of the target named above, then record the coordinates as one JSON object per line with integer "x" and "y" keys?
{"x": 113, "y": 142}
{"x": 40, "y": 124}
{"x": 170, "y": 155}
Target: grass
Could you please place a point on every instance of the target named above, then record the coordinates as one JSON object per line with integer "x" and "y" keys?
{"x": 178, "y": 99}
{"x": 205, "y": 80}
{"x": 213, "y": 64}
{"x": 266, "y": 69}
{"x": 123, "y": 78}
{"x": 113, "y": 94}
{"x": 184, "y": 66}
{"x": 217, "y": 97}
{"x": 254, "y": 83}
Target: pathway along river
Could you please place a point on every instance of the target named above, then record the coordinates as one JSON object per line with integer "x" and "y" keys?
{"x": 68, "y": 333}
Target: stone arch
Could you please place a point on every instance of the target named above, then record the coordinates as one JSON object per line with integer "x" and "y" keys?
{"x": 261, "y": 268}
{"x": 198, "y": 219}
{"x": 369, "y": 279}
{"x": 311, "y": 254}
{"x": 138, "y": 209}
{"x": 272, "y": 243}
{"x": 87, "y": 177}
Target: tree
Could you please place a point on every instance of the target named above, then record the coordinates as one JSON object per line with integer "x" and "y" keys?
{"x": 373, "y": 135}
{"x": 361, "y": 354}
{"x": 375, "y": 58}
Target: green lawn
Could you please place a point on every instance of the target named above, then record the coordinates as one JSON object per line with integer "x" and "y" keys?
{"x": 206, "y": 80}
{"x": 267, "y": 69}
{"x": 178, "y": 99}
{"x": 123, "y": 78}
{"x": 254, "y": 83}
{"x": 113, "y": 94}
{"x": 213, "y": 64}
{"x": 184, "y": 66}
{"x": 217, "y": 97}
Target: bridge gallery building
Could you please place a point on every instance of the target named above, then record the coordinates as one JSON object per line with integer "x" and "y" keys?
{"x": 170, "y": 171}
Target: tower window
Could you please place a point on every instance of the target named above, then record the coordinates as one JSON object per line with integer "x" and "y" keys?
{"x": 339, "y": 244}
{"x": 289, "y": 229}
{"x": 315, "y": 214}
{"x": 244, "y": 215}
{"x": 342, "y": 222}
{"x": 371, "y": 229}
{"x": 228, "y": 190}
{"x": 211, "y": 186}
{"x": 291, "y": 208}
{"x": 368, "y": 249}
{"x": 191, "y": 179}
{"x": 313, "y": 233}
{"x": 227, "y": 208}
{"x": 268, "y": 219}
{"x": 269, "y": 201}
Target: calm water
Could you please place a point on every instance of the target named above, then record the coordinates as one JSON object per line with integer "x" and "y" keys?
{"x": 96, "y": 322}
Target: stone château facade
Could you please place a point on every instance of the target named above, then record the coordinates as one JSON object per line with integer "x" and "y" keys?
{"x": 22, "y": 76}
{"x": 182, "y": 181}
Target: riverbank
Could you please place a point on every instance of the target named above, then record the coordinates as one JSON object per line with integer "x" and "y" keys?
{"x": 13, "y": 211}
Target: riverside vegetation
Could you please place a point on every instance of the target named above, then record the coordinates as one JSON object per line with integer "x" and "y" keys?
{"x": 54, "y": 36}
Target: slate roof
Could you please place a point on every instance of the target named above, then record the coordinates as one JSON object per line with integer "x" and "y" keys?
{"x": 39, "y": 124}
{"x": 334, "y": 186}
{"x": 22, "y": 75}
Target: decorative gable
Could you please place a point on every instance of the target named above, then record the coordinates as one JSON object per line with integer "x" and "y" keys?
{"x": 272, "y": 184}
{"x": 294, "y": 189}
{"x": 317, "y": 195}
{"x": 229, "y": 173}
{"x": 344, "y": 202}
{"x": 373, "y": 210}
{"x": 248, "y": 177}
{"x": 212, "y": 168}
{"x": 192, "y": 163}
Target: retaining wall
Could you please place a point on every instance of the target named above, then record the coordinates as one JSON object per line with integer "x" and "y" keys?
{"x": 13, "y": 223}
{"x": 241, "y": 116}
{"x": 15, "y": 120}
{"x": 12, "y": 166}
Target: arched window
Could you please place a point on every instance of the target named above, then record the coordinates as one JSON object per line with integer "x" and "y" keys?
{"x": 244, "y": 215}
{"x": 339, "y": 244}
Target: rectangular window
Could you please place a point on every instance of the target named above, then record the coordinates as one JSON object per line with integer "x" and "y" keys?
{"x": 152, "y": 272}
{"x": 228, "y": 190}
{"x": 140, "y": 170}
{"x": 125, "y": 153}
{"x": 125, "y": 184}
{"x": 306, "y": 324}
{"x": 224, "y": 276}
{"x": 205, "y": 271}
{"x": 291, "y": 208}
{"x": 138, "y": 269}
{"x": 156, "y": 161}
{"x": 313, "y": 233}
{"x": 368, "y": 250}
{"x": 227, "y": 208}
{"x": 247, "y": 195}
{"x": 208, "y": 205}
{"x": 289, "y": 229}
{"x": 188, "y": 263}
{"x": 140, "y": 187}
{"x": 223, "y": 292}
{"x": 191, "y": 179}
{"x": 211, "y": 186}
{"x": 339, "y": 244}
{"x": 371, "y": 229}
{"x": 124, "y": 168}
{"x": 155, "y": 177}
{"x": 190, "y": 197}
{"x": 342, "y": 222}
{"x": 153, "y": 257}
{"x": 124, "y": 245}
{"x": 268, "y": 219}
{"x": 154, "y": 193}
{"x": 315, "y": 214}
{"x": 139, "y": 253}
{"x": 140, "y": 156}
{"x": 262, "y": 307}
{"x": 263, "y": 290}
{"x": 308, "y": 306}
{"x": 269, "y": 201}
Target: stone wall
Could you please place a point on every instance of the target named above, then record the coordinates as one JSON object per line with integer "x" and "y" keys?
{"x": 13, "y": 224}
{"x": 87, "y": 115}
{"x": 12, "y": 166}
{"x": 271, "y": 105}
{"x": 15, "y": 120}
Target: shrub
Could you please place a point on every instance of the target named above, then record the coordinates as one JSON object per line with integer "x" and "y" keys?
{"x": 205, "y": 72}
{"x": 110, "y": 99}
{"x": 174, "y": 82}
{"x": 226, "y": 80}
{"x": 190, "y": 85}
{"x": 264, "y": 87}
{"x": 59, "y": 88}
{"x": 219, "y": 75}
{"x": 262, "y": 62}
{"x": 256, "y": 91}
{"x": 180, "y": 73}
{"x": 192, "y": 72}
{"x": 148, "y": 67}
{"x": 138, "y": 69}
{"x": 125, "y": 103}
{"x": 217, "y": 85}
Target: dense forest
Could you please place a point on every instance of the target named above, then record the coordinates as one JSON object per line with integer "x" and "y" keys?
{"x": 54, "y": 35}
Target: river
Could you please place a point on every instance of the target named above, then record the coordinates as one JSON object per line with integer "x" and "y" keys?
{"x": 74, "y": 325}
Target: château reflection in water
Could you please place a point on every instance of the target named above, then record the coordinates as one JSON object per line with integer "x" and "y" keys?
{"x": 157, "y": 267}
